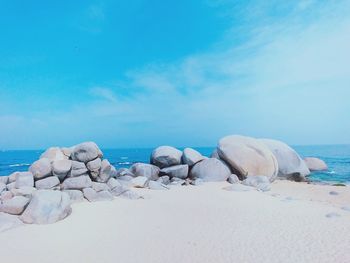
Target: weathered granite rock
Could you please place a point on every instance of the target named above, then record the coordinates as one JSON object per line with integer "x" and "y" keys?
{"x": 164, "y": 179}
{"x": 289, "y": 161}
{"x": 105, "y": 172}
{"x": 179, "y": 171}
{"x": 5, "y": 195}
{"x": 24, "y": 179}
{"x": 10, "y": 186}
{"x": 78, "y": 169}
{"x": 53, "y": 154}
{"x": 4, "y": 179}
{"x": 92, "y": 196}
{"x": 113, "y": 183}
{"x": 25, "y": 191}
{"x": 140, "y": 182}
{"x": 47, "y": 183}
{"x": 9, "y": 221}
{"x": 98, "y": 187}
{"x": 165, "y": 156}
{"x": 75, "y": 195}
{"x": 191, "y": 157}
{"x": 2, "y": 187}
{"x": 125, "y": 178}
{"x": 15, "y": 205}
{"x": 47, "y": 206}
{"x": 61, "y": 168}
{"x": 197, "y": 181}
{"x": 315, "y": 164}
{"x": 94, "y": 167}
{"x": 210, "y": 169}
{"x": 12, "y": 177}
{"x": 155, "y": 185}
{"x": 67, "y": 151}
{"x": 144, "y": 169}
{"x": 259, "y": 182}
{"x": 215, "y": 154}
{"x": 41, "y": 168}
{"x": 248, "y": 156}
{"x": 233, "y": 179}
{"x": 77, "y": 183}
{"x": 131, "y": 195}
{"x": 86, "y": 152}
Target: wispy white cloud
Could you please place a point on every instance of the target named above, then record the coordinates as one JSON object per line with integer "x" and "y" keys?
{"x": 104, "y": 93}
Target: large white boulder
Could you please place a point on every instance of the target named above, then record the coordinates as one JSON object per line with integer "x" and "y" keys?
{"x": 165, "y": 156}
{"x": 77, "y": 183}
{"x": 191, "y": 156}
{"x": 179, "y": 171}
{"x": 92, "y": 196}
{"x": 289, "y": 161}
{"x": 315, "y": 164}
{"x": 47, "y": 206}
{"x": 211, "y": 170}
{"x": 78, "y": 168}
{"x": 53, "y": 154}
{"x": 24, "y": 179}
{"x": 15, "y": 205}
{"x": 86, "y": 152}
{"x": 145, "y": 169}
{"x": 61, "y": 168}
{"x": 248, "y": 156}
{"x": 47, "y": 183}
{"x": 41, "y": 168}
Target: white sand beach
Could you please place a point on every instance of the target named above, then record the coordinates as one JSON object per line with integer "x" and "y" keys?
{"x": 294, "y": 222}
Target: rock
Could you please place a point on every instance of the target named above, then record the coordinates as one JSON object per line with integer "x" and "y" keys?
{"x": 144, "y": 169}
{"x": 98, "y": 187}
{"x": 92, "y": 196}
{"x": 248, "y": 156}
{"x": 259, "y": 182}
{"x": 2, "y": 187}
{"x": 9, "y": 221}
{"x": 12, "y": 177}
{"x": 86, "y": 152}
{"x": 164, "y": 179}
{"x": 315, "y": 164}
{"x": 239, "y": 188}
{"x": 197, "y": 181}
{"x": 25, "y": 191}
{"x": 105, "y": 173}
{"x": 67, "y": 151}
{"x": 75, "y": 195}
{"x": 289, "y": 162}
{"x": 113, "y": 183}
{"x": 131, "y": 195}
{"x": 125, "y": 178}
{"x": 41, "y": 168}
{"x": 210, "y": 169}
{"x": 47, "y": 183}
{"x": 54, "y": 154}
{"x": 10, "y": 186}
{"x": 24, "y": 179}
{"x": 47, "y": 207}
{"x": 5, "y": 195}
{"x": 165, "y": 156}
{"x": 4, "y": 179}
{"x": 113, "y": 172}
{"x": 124, "y": 172}
{"x": 78, "y": 169}
{"x": 179, "y": 171}
{"x": 155, "y": 185}
{"x": 233, "y": 179}
{"x": 78, "y": 183}
{"x": 177, "y": 181}
{"x": 140, "y": 182}
{"x": 94, "y": 167}
{"x": 296, "y": 177}
{"x": 15, "y": 205}
{"x": 119, "y": 190}
{"x": 215, "y": 154}
{"x": 61, "y": 168}
{"x": 191, "y": 157}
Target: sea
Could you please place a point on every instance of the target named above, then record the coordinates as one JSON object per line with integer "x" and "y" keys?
{"x": 337, "y": 158}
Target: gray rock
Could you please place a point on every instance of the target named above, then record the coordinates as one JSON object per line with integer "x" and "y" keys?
{"x": 191, "y": 157}
{"x": 124, "y": 172}
{"x": 92, "y": 196}
{"x": 94, "y": 167}
{"x": 289, "y": 162}
{"x": 239, "y": 188}
{"x": 54, "y": 154}
{"x": 165, "y": 156}
{"x": 8, "y": 222}
{"x": 164, "y": 179}
{"x": 67, "y": 151}
{"x": 47, "y": 183}
{"x": 248, "y": 156}
{"x": 77, "y": 183}
{"x": 177, "y": 181}
{"x": 61, "y": 168}
{"x": 41, "y": 168}
{"x": 155, "y": 185}
{"x": 259, "y": 182}
{"x": 10, "y": 186}
{"x": 233, "y": 179}
{"x": 296, "y": 177}
{"x": 47, "y": 207}
{"x": 119, "y": 190}
{"x": 24, "y": 179}
{"x": 12, "y": 177}
{"x": 131, "y": 195}
{"x": 25, "y": 191}
{"x": 15, "y": 205}
{"x": 210, "y": 169}
{"x": 5, "y": 195}
{"x": 98, "y": 187}
{"x": 125, "y": 178}
{"x": 144, "y": 169}
{"x": 86, "y": 152}
{"x": 78, "y": 169}
{"x": 4, "y": 179}
{"x": 315, "y": 164}
{"x": 105, "y": 172}
{"x": 179, "y": 171}
{"x": 197, "y": 181}
{"x": 2, "y": 187}
{"x": 215, "y": 154}
{"x": 140, "y": 182}
{"x": 113, "y": 183}
{"x": 75, "y": 195}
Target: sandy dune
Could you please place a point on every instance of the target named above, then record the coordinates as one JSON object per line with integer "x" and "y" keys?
{"x": 195, "y": 224}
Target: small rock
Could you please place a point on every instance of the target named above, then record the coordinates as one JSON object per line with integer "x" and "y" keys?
{"x": 130, "y": 195}
{"x": 41, "y": 168}
{"x": 75, "y": 195}
{"x": 197, "y": 182}
{"x": 24, "y": 179}
{"x": 113, "y": 183}
{"x": 315, "y": 164}
{"x": 140, "y": 182}
{"x": 15, "y": 205}
{"x": 78, "y": 183}
{"x": 124, "y": 172}
{"x": 61, "y": 168}
{"x": 233, "y": 179}
{"x": 92, "y": 196}
{"x": 47, "y": 183}
{"x": 98, "y": 187}
{"x": 164, "y": 179}
{"x": 179, "y": 171}
{"x": 154, "y": 185}
{"x": 78, "y": 168}
{"x": 105, "y": 172}
{"x": 144, "y": 169}
{"x": 94, "y": 167}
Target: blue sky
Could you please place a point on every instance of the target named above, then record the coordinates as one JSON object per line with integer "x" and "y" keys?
{"x": 185, "y": 73}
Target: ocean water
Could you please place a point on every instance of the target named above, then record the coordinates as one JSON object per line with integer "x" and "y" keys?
{"x": 337, "y": 158}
